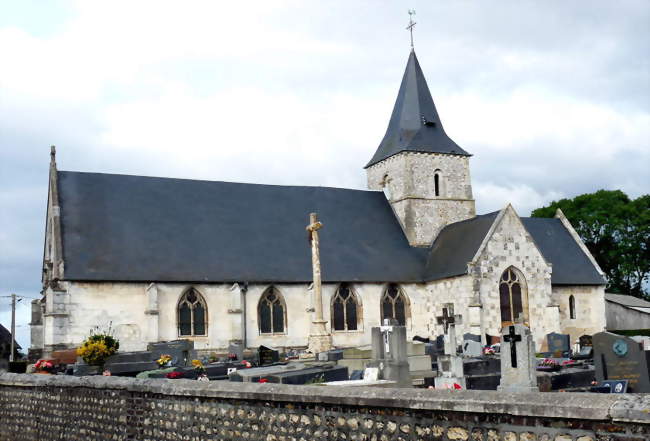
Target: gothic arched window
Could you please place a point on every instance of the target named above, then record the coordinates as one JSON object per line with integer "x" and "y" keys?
{"x": 344, "y": 309}
{"x": 271, "y": 312}
{"x": 572, "y": 307}
{"x": 192, "y": 314}
{"x": 511, "y": 295}
{"x": 393, "y": 304}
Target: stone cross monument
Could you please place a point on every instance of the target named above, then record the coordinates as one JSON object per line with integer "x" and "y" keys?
{"x": 319, "y": 339}
{"x": 518, "y": 362}
{"x": 450, "y": 365}
{"x": 389, "y": 353}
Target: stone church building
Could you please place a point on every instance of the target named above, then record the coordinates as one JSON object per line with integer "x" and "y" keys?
{"x": 222, "y": 262}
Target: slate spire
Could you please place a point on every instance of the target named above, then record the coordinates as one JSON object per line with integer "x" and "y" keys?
{"x": 414, "y": 125}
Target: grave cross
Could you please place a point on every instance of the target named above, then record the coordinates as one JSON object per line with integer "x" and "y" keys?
{"x": 445, "y": 319}
{"x": 512, "y": 338}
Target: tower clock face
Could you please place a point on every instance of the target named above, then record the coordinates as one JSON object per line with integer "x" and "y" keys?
{"x": 620, "y": 348}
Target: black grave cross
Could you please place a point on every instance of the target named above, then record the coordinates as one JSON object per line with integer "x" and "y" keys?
{"x": 445, "y": 319}
{"x": 512, "y": 338}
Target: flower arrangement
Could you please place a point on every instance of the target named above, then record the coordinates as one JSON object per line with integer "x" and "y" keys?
{"x": 174, "y": 375}
{"x": 98, "y": 346}
{"x": 568, "y": 363}
{"x": 164, "y": 360}
{"x": 489, "y": 350}
{"x": 44, "y": 366}
{"x": 198, "y": 366}
{"x": 548, "y": 364}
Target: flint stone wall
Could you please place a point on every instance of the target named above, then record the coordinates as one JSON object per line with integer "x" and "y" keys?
{"x": 37, "y": 407}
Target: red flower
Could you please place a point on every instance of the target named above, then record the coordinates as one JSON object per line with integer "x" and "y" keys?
{"x": 263, "y": 380}
{"x": 457, "y": 386}
{"x": 174, "y": 374}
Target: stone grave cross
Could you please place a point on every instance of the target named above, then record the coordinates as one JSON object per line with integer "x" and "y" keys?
{"x": 512, "y": 338}
{"x": 319, "y": 339}
{"x": 386, "y": 330}
{"x": 445, "y": 319}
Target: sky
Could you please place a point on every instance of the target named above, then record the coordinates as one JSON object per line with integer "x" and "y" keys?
{"x": 552, "y": 98}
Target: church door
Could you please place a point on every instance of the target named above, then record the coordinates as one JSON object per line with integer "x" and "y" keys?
{"x": 512, "y": 296}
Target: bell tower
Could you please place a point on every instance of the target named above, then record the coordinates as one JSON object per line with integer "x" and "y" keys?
{"x": 424, "y": 174}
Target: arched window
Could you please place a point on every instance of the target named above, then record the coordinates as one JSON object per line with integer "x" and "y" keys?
{"x": 436, "y": 182}
{"x": 271, "y": 312}
{"x": 344, "y": 309}
{"x": 572, "y": 307}
{"x": 512, "y": 295}
{"x": 192, "y": 314}
{"x": 393, "y": 304}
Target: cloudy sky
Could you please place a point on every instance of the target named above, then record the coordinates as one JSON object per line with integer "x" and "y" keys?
{"x": 552, "y": 98}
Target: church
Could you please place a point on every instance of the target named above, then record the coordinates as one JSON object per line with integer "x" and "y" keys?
{"x": 222, "y": 262}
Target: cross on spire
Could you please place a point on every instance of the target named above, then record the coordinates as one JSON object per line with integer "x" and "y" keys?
{"x": 411, "y": 24}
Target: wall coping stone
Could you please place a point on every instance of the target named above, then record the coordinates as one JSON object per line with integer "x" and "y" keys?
{"x": 607, "y": 407}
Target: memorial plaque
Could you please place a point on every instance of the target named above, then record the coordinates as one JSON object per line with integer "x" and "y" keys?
{"x": 558, "y": 344}
{"x": 617, "y": 357}
{"x": 268, "y": 355}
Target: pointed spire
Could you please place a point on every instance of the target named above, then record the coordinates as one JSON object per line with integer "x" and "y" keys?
{"x": 414, "y": 125}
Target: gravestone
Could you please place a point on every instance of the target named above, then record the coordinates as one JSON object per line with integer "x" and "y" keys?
{"x": 585, "y": 353}
{"x": 450, "y": 365}
{"x": 469, "y": 336}
{"x": 559, "y": 345}
{"x": 253, "y": 375}
{"x": 318, "y": 374}
{"x": 472, "y": 348}
{"x": 389, "y": 353}
{"x": 356, "y": 375}
{"x": 440, "y": 344}
{"x": 181, "y": 351}
{"x": 130, "y": 363}
{"x": 237, "y": 350}
{"x": 268, "y": 355}
{"x": 518, "y": 362}
{"x": 617, "y": 357}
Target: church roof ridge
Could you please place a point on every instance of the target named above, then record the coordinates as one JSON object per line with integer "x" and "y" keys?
{"x": 414, "y": 125}
{"x": 124, "y": 175}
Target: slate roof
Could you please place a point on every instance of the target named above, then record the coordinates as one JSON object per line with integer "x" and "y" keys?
{"x": 5, "y": 337}
{"x": 571, "y": 266}
{"x": 134, "y": 228}
{"x": 626, "y": 300}
{"x": 456, "y": 245}
{"x": 414, "y": 124}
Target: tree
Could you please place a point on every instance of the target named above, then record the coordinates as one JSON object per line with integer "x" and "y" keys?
{"x": 616, "y": 230}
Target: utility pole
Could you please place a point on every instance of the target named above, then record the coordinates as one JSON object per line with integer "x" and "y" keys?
{"x": 13, "y": 326}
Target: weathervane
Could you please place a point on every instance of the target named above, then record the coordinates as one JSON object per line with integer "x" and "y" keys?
{"x": 411, "y": 24}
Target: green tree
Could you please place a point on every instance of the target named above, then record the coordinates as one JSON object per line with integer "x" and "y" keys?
{"x": 616, "y": 230}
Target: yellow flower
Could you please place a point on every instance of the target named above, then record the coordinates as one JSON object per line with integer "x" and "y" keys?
{"x": 197, "y": 363}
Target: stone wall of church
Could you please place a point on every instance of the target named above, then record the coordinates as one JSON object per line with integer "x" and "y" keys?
{"x": 142, "y": 312}
{"x": 459, "y": 292}
{"x": 408, "y": 179}
{"x": 511, "y": 245}
{"x": 590, "y": 309}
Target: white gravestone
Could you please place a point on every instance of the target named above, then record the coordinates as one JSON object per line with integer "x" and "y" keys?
{"x": 518, "y": 362}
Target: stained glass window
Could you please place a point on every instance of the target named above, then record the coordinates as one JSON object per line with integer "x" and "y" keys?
{"x": 344, "y": 309}
{"x": 393, "y": 305}
{"x": 270, "y": 311}
{"x": 192, "y": 317}
{"x": 511, "y": 297}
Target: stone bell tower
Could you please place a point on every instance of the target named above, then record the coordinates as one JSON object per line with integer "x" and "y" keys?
{"x": 424, "y": 174}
